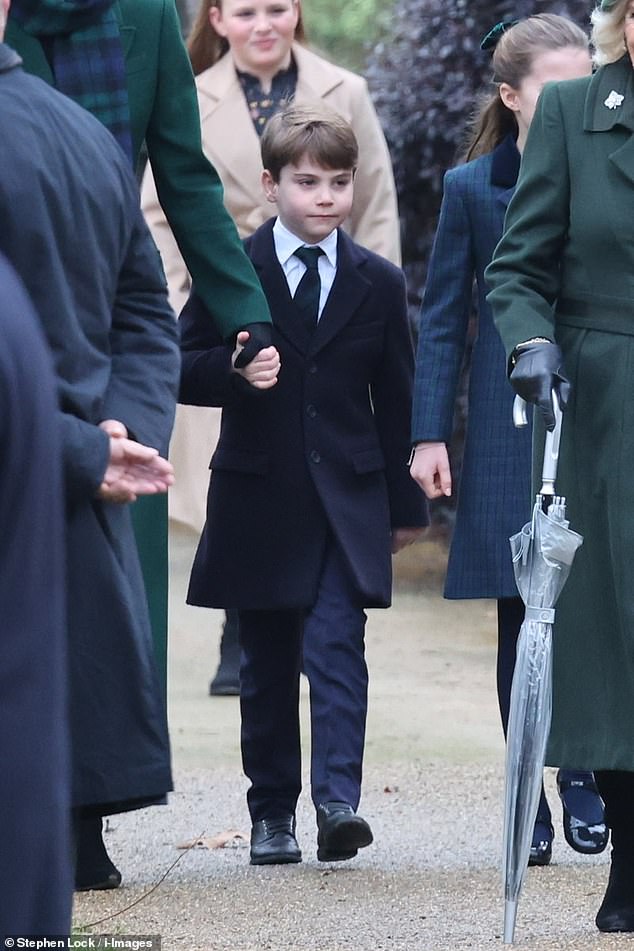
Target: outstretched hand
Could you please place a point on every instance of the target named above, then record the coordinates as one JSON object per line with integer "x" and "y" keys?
{"x": 430, "y": 469}
{"x": 133, "y": 469}
{"x": 262, "y": 371}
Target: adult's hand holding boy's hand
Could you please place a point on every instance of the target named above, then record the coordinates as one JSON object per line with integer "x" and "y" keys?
{"x": 259, "y": 338}
{"x": 430, "y": 469}
{"x": 402, "y": 537}
{"x": 262, "y": 371}
{"x": 133, "y": 469}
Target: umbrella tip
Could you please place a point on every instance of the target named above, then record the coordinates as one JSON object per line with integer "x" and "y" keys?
{"x": 510, "y": 913}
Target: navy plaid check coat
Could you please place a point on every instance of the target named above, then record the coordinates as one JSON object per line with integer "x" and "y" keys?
{"x": 494, "y": 493}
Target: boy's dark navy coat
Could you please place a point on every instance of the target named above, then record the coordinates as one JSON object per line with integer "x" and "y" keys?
{"x": 326, "y": 449}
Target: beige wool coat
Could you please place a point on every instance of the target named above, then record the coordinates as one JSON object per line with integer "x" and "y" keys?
{"x": 232, "y": 144}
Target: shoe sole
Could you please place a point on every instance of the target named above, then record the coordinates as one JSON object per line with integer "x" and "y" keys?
{"x": 107, "y": 885}
{"x": 276, "y": 859}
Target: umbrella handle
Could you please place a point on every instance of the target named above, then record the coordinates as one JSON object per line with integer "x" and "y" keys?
{"x": 551, "y": 448}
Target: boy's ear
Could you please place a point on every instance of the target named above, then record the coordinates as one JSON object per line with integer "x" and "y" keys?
{"x": 269, "y": 185}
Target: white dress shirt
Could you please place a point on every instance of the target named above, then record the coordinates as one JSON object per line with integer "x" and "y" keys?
{"x": 286, "y": 243}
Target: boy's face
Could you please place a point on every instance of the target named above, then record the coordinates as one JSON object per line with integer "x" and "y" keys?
{"x": 311, "y": 200}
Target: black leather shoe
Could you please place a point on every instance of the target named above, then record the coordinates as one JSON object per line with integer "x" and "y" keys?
{"x": 340, "y": 832}
{"x": 273, "y": 842}
{"x": 225, "y": 683}
{"x": 584, "y": 823}
{"x": 617, "y": 908}
{"x": 542, "y": 846}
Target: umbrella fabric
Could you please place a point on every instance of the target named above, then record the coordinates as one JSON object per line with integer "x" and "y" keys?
{"x": 543, "y": 553}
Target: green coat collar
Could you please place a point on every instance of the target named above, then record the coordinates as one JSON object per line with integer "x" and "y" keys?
{"x": 609, "y": 83}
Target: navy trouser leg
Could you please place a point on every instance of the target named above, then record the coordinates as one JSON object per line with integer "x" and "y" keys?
{"x": 269, "y": 704}
{"x": 334, "y": 664}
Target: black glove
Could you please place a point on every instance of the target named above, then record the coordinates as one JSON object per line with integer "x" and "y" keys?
{"x": 538, "y": 370}
{"x": 260, "y": 337}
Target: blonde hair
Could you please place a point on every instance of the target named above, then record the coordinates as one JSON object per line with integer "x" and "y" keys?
{"x": 513, "y": 60}
{"x": 312, "y": 130}
{"x": 206, "y": 47}
{"x": 607, "y": 34}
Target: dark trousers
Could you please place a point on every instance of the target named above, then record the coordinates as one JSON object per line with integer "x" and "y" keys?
{"x": 617, "y": 791}
{"x": 330, "y": 636}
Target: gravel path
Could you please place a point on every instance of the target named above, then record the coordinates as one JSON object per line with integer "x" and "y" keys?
{"x": 432, "y": 793}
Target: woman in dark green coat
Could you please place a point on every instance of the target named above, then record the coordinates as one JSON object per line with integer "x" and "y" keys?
{"x": 563, "y": 300}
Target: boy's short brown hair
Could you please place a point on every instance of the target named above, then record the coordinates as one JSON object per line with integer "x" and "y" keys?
{"x": 314, "y": 130}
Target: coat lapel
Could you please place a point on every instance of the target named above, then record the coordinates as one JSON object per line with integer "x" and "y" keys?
{"x": 224, "y": 116}
{"x": 261, "y": 249}
{"x": 348, "y": 291}
{"x": 610, "y": 105}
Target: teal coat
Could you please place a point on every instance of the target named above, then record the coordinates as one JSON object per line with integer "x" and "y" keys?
{"x": 164, "y": 114}
{"x": 565, "y": 270}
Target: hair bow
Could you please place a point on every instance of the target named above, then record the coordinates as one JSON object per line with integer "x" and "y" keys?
{"x": 491, "y": 40}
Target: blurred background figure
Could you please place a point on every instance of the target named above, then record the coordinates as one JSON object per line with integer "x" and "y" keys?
{"x": 250, "y": 56}
{"x": 495, "y": 494}
{"x": 563, "y": 299}
{"x": 36, "y": 878}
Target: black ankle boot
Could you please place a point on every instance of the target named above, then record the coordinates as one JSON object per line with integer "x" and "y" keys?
{"x": 617, "y": 908}
{"x": 94, "y": 869}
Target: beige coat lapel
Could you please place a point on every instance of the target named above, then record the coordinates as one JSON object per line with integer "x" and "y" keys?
{"x": 230, "y": 140}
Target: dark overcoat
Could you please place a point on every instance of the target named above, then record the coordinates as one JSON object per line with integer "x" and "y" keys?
{"x": 565, "y": 269}
{"x": 72, "y": 228}
{"x": 494, "y": 490}
{"x": 35, "y": 872}
{"x": 164, "y": 114}
{"x": 325, "y": 450}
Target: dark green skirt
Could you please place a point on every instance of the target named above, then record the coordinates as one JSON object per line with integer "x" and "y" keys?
{"x": 593, "y": 673}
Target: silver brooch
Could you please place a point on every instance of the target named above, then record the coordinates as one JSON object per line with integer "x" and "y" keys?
{"x": 614, "y": 100}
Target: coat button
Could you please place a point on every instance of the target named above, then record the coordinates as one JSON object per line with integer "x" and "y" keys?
{"x": 311, "y": 411}
{"x": 315, "y": 456}
{"x": 312, "y": 368}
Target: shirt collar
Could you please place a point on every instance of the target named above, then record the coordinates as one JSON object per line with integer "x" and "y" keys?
{"x": 286, "y": 243}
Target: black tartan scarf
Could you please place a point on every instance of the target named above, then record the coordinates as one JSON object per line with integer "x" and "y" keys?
{"x": 82, "y": 41}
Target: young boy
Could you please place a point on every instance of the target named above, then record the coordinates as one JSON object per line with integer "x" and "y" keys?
{"x": 310, "y": 491}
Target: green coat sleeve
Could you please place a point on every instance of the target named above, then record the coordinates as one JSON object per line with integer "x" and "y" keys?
{"x": 524, "y": 273}
{"x": 190, "y": 193}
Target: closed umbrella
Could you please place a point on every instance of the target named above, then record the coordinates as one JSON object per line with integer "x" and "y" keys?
{"x": 543, "y": 552}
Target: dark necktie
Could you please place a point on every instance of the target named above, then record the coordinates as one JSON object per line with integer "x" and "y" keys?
{"x": 306, "y": 297}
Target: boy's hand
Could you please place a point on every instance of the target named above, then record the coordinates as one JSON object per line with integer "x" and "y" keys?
{"x": 402, "y": 537}
{"x": 430, "y": 469}
{"x": 262, "y": 371}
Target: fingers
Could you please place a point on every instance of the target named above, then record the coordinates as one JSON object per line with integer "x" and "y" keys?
{"x": 262, "y": 372}
{"x": 114, "y": 428}
{"x": 430, "y": 469}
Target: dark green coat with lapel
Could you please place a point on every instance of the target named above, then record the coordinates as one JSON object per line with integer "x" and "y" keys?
{"x": 164, "y": 113}
{"x": 565, "y": 270}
